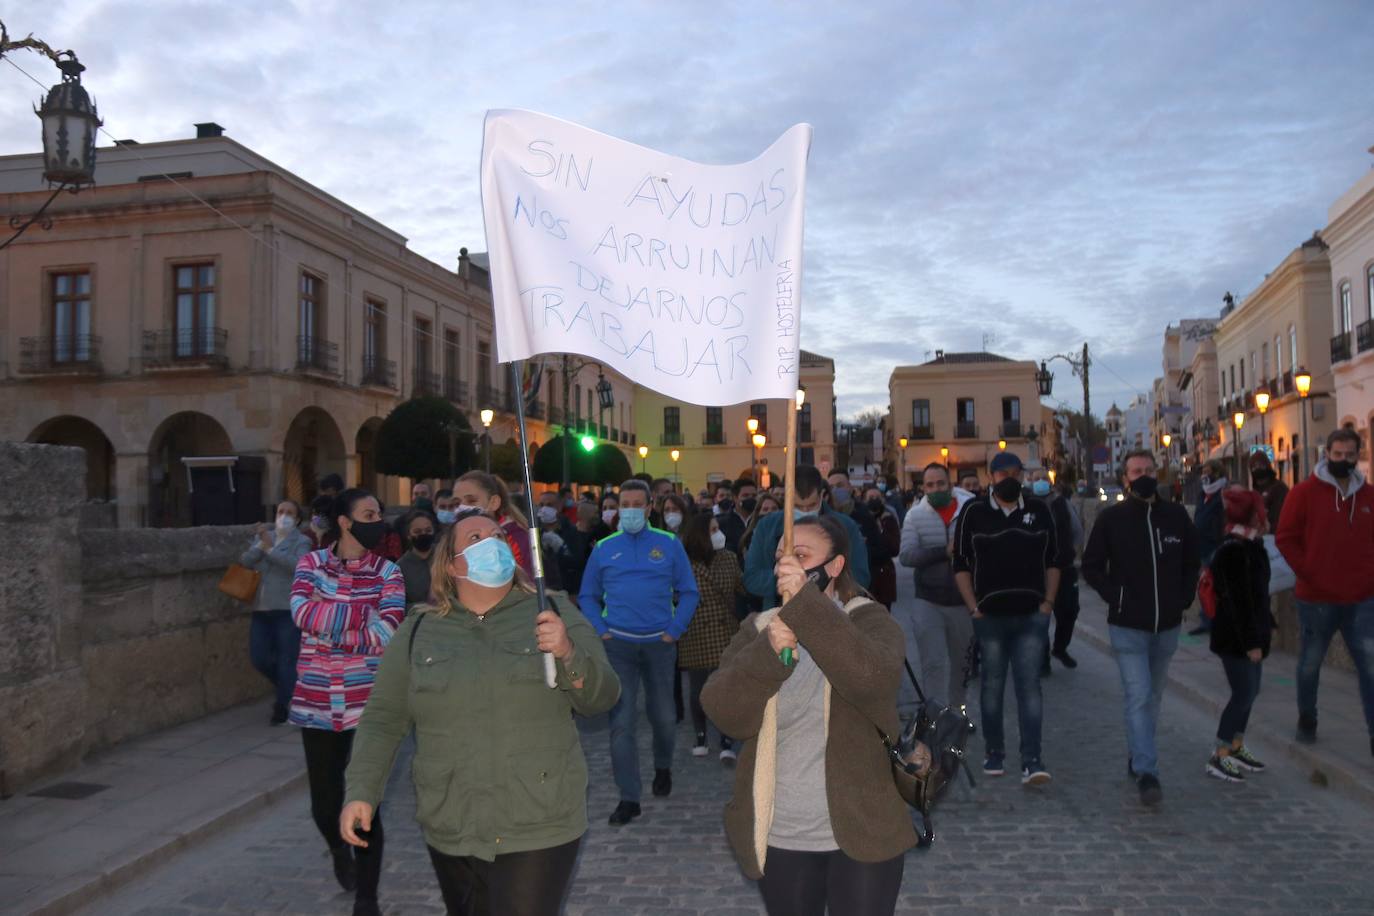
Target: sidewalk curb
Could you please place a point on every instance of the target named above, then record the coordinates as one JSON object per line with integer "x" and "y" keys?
{"x": 1336, "y": 774}
{"x": 129, "y": 863}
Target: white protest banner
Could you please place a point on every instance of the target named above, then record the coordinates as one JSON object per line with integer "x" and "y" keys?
{"x": 684, "y": 277}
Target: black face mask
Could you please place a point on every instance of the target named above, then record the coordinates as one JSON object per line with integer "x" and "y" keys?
{"x": 1008, "y": 489}
{"x": 1262, "y": 477}
{"x": 1144, "y": 487}
{"x": 1340, "y": 469}
{"x": 875, "y": 506}
{"x": 818, "y": 575}
{"x": 422, "y": 542}
{"x": 726, "y": 505}
{"x": 749, "y": 504}
{"x": 368, "y": 534}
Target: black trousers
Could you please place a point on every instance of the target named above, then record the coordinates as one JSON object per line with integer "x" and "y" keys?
{"x": 815, "y": 883}
{"x": 326, "y": 758}
{"x": 696, "y": 680}
{"x": 516, "y": 884}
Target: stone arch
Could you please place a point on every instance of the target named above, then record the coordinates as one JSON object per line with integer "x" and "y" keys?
{"x": 313, "y": 447}
{"x": 188, "y": 434}
{"x": 83, "y": 434}
{"x": 365, "y": 446}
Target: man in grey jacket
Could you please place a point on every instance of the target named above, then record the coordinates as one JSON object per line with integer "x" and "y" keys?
{"x": 937, "y": 625}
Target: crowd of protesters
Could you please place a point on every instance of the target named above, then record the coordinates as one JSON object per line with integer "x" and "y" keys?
{"x": 370, "y": 629}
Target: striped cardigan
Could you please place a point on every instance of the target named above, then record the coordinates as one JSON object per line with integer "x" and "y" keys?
{"x": 346, "y": 611}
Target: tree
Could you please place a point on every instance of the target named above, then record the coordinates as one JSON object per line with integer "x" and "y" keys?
{"x": 871, "y": 418}
{"x": 505, "y": 462}
{"x": 423, "y": 438}
{"x": 609, "y": 465}
{"x": 548, "y": 462}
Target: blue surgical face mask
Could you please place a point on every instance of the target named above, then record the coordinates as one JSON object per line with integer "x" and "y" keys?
{"x": 447, "y": 516}
{"x": 490, "y": 563}
{"x": 631, "y": 520}
{"x": 882, "y": 487}
{"x": 798, "y": 515}
{"x": 841, "y": 494}
{"x": 1041, "y": 488}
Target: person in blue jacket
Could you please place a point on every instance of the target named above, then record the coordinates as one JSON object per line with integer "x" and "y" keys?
{"x": 639, "y": 593}
{"x": 810, "y": 500}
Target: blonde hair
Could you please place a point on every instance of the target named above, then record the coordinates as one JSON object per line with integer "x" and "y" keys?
{"x": 443, "y": 586}
{"x": 495, "y": 486}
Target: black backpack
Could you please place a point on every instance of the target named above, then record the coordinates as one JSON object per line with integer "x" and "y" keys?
{"x": 945, "y": 731}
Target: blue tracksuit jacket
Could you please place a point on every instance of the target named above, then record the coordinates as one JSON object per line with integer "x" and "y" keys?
{"x": 629, "y": 586}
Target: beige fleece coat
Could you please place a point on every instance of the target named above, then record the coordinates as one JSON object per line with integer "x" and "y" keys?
{"x": 859, "y": 649}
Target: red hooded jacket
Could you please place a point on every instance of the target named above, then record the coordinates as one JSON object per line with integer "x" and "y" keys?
{"x": 1328, "y": 538}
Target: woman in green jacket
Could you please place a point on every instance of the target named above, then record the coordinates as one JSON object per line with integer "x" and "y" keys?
{"x": 500, "y": 780}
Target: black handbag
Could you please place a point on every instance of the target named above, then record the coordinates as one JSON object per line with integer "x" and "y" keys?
{"x": 944, "y": 731}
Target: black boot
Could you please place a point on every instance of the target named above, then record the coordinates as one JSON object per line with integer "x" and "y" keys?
{"x": 344, "y": 869}
{"x": 366, "y": 906}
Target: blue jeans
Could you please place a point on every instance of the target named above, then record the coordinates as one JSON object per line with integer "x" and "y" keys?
{"x": 655, "y": 663}
{"x": 1018, "y": 641}
{"x": 274, "y": 643}
{"x": 1244, "y": 677}
{"x": 1318, "y": 622}
{"x": 1143, "y": 659}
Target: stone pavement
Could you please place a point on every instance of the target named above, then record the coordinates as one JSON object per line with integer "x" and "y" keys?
{"x": 1276, "y": 844}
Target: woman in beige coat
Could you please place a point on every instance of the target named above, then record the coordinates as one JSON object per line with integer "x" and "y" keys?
{"x": 815, "y": 815}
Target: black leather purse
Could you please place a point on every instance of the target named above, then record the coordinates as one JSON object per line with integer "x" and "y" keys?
{"x": 944, "y": 731}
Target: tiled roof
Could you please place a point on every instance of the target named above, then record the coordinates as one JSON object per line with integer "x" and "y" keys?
{"x": 978, "y": 356}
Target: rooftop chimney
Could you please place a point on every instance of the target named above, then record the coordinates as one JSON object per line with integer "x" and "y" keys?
{"x": 939, "y": 354}
{"x": 208, "y": 129}
{"x": 463, "y": 263}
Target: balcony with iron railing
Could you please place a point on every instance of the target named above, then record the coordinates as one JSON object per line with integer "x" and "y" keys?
{"x": 186, "y": 348}
{"x": 804, "y": 433}
{"x": 316, "y": 355}
{"x": 671, "y": 438}
{"x": 1011, "y": 429}
{"x": 1287, "y": 382}
{"x": 713, "y": 436}
{"x": 424, "y": 384}
{"x": 1364, "y": 336}
{"x": 966, "y": 430}
{"x": 1340, "y": 347}
{"x": 378, "y": 373}
{"x": 69, "y": 354}
{"x": 922, "y": 432}
{"x": 535, "y": 411}
{"x": 624, "y": 437}
{"x": 455, "y": 391}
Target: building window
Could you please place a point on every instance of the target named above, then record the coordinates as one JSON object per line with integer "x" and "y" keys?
{"x": 1254, "y": 369}
{"x": 1278, "y": 355}
{"x": 672, "y": 426}
{"x": 715, "y": 426}
{"x": 195, "y": 309}
{"x": 374, "y": 332}
{"x": 1345, "y": 325}
{"x": 311, "y": 309}
{"x": 964, "y": 427}
{"x": 423, "y": 335}
{"x": 920, "y": 419}
{"x": 71, "y": 317}
{"x": 1369, "y": 292}
{"x": 804, "y": 424}
{"x": 1293, "y": 347}
{"x": 1264, "y": 361}
{"x": 760, "y": 413}
{"x": 1242, "y": 372}
{"x": 452, "y": 365}
{"x": 484, "y": 371}
{"x": 577, "y": 403}
{"x": 1233, "y": 378}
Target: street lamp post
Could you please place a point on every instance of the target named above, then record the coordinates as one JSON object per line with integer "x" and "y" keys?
{"x": 1167, "y": 438}
{"x": 643, "y": 459}
{"x": 1303, "y": 379}
{"x": 902, "y": 477}
{"x": 1262, "y": 404}
{"x": 1044, "y": 381}
{"x": 487, "y": 415}
{"x": 70, "y": 123}
{"x": 752, "y": 424}
{"x": 675, "y": 455}
{"x": 1239, "y": 420}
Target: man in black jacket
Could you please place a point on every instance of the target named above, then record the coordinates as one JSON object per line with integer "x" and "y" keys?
{"x": 1007, "y": 562}
{"x": 1143, "y": 558}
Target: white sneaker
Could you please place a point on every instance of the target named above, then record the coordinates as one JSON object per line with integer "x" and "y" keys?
{"x": 699, "y": 750}
{"x": 728, "y": 756}
{"x": 1225, "y": 769}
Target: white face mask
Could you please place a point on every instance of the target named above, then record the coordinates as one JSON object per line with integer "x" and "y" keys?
{"x": 718, "y": 540}
{"x": 548, "y": 514}
{"x": 285, "y": 522}
{"x": 672, "y": 519}
{"x": 608, "y": 516}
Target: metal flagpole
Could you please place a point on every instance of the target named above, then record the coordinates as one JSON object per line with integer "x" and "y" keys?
{"x": 536, "y": 555}
{"x": 789, "y": 498}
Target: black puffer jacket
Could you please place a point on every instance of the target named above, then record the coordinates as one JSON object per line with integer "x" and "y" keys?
{"x": 1240, "y": 574}
{"x": 1143, "y": 559}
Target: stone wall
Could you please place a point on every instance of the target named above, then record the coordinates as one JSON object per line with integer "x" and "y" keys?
{"x": 105, "y": 634}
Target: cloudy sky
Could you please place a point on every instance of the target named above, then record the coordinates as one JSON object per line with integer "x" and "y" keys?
{"x": 1037, "y": 174}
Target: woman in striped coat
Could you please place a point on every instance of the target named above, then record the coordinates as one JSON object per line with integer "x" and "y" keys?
{"x": 347, "y": 601}
{"x": 714, "y": 624}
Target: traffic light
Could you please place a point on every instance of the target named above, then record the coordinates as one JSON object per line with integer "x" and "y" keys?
{"x": 588, "y": 443}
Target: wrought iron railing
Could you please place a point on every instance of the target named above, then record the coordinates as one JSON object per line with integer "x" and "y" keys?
{"x": 1340, "y": 347}
{"x": 173, "y": 347}
{"x": 316, "y": 355}
{"x": 1364, "y": 336}
{"x": 378, "y": 372}
{"x": 60, "y": 355}
{"x": 966, "y": 430}
{"x": 671, "y": 438}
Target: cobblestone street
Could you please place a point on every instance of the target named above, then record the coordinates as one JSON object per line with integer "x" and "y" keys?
{"x": 1276, "y": 844}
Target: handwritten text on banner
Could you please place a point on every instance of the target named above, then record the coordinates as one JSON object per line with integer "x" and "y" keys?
{"x": 683, "y": 277}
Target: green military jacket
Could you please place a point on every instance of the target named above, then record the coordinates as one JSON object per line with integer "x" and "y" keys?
{"x": 498, "y": 765}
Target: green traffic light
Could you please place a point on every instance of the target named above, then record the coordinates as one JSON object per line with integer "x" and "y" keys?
{"x": 588, "y": 443}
